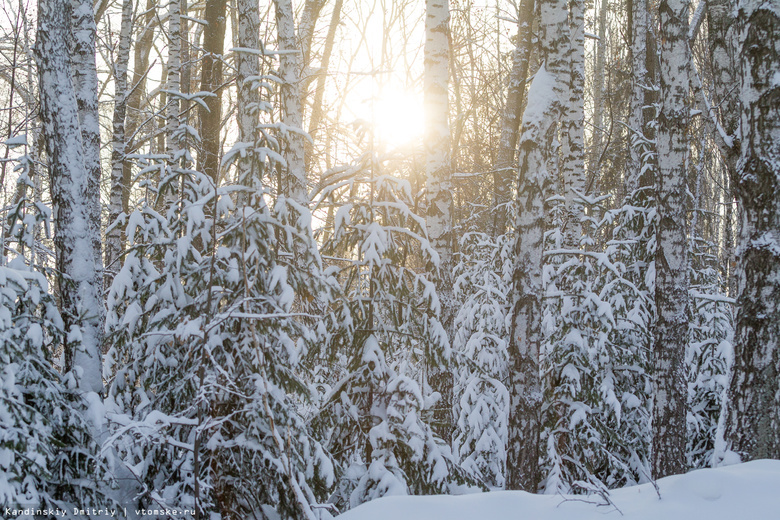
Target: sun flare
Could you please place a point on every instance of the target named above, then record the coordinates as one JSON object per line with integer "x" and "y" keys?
{"x": 398, "y": 118}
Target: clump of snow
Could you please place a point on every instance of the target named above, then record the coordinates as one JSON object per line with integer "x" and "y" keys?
{"x": 747, "y": 490}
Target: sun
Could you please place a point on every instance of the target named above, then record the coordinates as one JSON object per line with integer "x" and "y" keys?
{"x": 398, "y": 118}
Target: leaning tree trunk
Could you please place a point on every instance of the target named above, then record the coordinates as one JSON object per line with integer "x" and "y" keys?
{"x": 536, "y": 150}
{"x": 671, "y": 264}
{"x": 72, "y": 186}
{"x": 753, "y": 419}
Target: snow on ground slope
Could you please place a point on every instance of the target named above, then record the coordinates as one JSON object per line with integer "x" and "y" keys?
{"x": 749, "y": 491}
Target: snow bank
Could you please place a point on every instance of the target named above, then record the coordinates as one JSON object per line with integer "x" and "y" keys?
{"x": 750, "y": 491}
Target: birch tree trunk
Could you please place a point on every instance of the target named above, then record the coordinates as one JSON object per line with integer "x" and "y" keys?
{"x": 211, "y": 81}
{"x": 638, "y": 15}
{"x": 439, "y": 197}
{"x": 571, "y": 127}
{"x": 671, "y": 264}
{"x": 753, "y": 419}
{"x": 248, "y": 65}
{"x": 174, "y": 81}
{"x": 85, "y": 84}
{"x": 114, "y": 243}
{"x": 292, "y": 114}
{"x": 71, "y": 184}
{"x": 510, "y": 120}
{"x": 525, "y": 387}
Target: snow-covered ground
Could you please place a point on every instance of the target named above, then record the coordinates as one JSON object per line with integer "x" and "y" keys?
{"x": 748, "y": 491}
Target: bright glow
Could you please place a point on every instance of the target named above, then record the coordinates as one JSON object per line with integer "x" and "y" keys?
{"x": 398, "y": 118}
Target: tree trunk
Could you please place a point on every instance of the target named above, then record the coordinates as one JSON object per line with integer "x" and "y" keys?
{"x": 292, "y": 115}
{"x": 135, "y": 98}
{"x": 753, "y": 419}
{"x": 85, "y": 84}
{"x": 571, "y": 130}
{"x": 525, "y": 386}
{"x": 439, "y": 198}
{"x": 248, "y": 65}
{"x": 317, "y": 111}
{"x": 671, "y": 264}
{"x": 114, "y": 245}
{"x": 72, "y": 186}
{"x": 211, "y": 81}
{"x": 510, "y": 121}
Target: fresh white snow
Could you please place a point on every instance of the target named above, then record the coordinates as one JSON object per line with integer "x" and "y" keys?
{"x": 749, "y": 491}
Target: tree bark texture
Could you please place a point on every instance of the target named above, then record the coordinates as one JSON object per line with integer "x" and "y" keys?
{"x": 535, "y": 151}
{"x": 753, "y": 420}
{"x": 671, "y": 264}
{"x": 211, "y": 81}
{"x": 510, "y": 120}
{"x": 114, "y": 243}
{"x": 71, "y": 185}
{"x": 292, "y": 114}
{"x": 85, "y": 83}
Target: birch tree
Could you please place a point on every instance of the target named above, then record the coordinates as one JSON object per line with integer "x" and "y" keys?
{"x": 753, "y": 420}
{"x": 571, "y": 126}
{"x": 438, "y": 175}
{"x": 292, "y": 116}
{"x": 671, "y": 264}
{"x": 118, "y": 141}
{"x": 525, "y": 391}
{"x": 78, "y": 259}
{"x": 510, "y": 120}
{"x": 85, "y": 83}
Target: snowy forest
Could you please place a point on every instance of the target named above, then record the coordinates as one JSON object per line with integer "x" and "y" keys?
{"x": 274, "y": 260}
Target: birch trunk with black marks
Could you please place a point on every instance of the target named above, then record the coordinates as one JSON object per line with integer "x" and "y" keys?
{"x": 72, "y": 187}
{"x": 439, "y": 197}
{"x": 292, "y": 114}
{"x": 510, "y": 120}
{"x": 571, "y": 127}
{"x": 753, "y": 418}
{"x": 248, "y": 65}
{"x": 543, "y": 108}
{"x": 671, "y": 264}
{"x": 174, "y": 81}
{"x": 114, "y": 245}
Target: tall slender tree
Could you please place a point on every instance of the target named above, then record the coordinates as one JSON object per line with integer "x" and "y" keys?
{"x": 671, "y": 264}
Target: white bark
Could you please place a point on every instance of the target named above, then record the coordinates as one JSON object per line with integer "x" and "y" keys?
{"x": 437, "y": 131}
{"x": 292, "y": 115}
{"x": 85, "y": 83}
{"x": 544, "y": 106}
{"x": 571, "y": 127}
{"x": 72, "y": 186}
{"x": 174, "y": 78}
{"x": 248, "y": 64}
{"x": 671, "y": 296}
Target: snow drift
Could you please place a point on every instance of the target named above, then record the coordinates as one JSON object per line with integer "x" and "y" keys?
{"x": 749, "y": 491}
